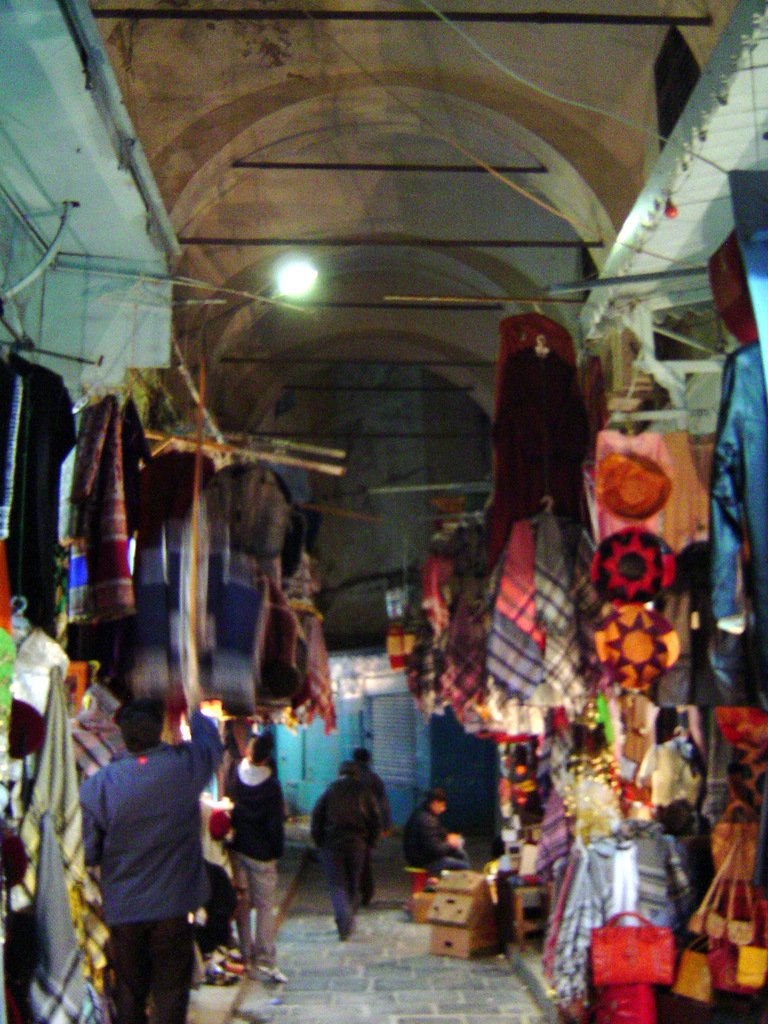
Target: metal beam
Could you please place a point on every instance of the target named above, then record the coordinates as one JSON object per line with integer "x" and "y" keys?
{"x": 420, "y": 388}
{"x": 466, "y": 307}
{"x": 290, "y": 360}
{"x": 367, "y": 240}
{"x": 627, "y": 280}
{"x": 474, "y": 17}
{"x": 352, "y": 433}
{"x": 327, "y": 165}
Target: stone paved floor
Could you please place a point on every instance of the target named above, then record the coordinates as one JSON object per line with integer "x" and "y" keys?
{"x": 384, "y": 973}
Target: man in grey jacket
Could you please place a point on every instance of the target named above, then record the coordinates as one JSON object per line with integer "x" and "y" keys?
{"x": 141, "y": 826}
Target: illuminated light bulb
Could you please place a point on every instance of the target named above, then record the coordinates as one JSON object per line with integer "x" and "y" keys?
{"x": 296, "y": 278}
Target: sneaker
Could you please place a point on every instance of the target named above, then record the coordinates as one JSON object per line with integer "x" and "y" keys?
{"x": 270, "y": 973}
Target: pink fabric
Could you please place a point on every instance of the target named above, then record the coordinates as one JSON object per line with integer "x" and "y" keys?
{"x": 516, "y": 599}
{"x": 650, "y": 445}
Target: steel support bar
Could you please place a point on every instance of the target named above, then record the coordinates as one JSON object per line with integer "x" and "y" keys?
{"x": 385, "y": 388}
{"x": 465, "y": 307}
{"x": 424, "y": 243}
{"x": 473, "y": 17}
{"x": 292, "y": 360}
{"x": 323, "y": 165}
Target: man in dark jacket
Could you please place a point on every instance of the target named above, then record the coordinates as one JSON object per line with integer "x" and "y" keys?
{"x": 426, "y": 844}
{"x": 141, "y": 826}
{"x": 375, "y": 783}
{"x": 345, "y": 824}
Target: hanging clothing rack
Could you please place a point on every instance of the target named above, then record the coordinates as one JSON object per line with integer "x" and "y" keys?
{"x": 179, "y": 441}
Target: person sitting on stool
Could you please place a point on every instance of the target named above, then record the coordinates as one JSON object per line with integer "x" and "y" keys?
{"x": 426, "y": 844}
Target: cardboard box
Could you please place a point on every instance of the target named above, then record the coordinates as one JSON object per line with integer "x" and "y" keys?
{"x": 451, "y": 940}
{"x": 459, "y": 909}
{"x": 467, "y": 882}
{"x": 420, "y": 905}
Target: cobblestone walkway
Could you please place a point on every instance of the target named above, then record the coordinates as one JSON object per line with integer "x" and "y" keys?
{"x": 384, "y": 973}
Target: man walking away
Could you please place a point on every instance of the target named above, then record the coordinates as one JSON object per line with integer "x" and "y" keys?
{"x": 426, "y": 844}
{"x": 345, "y": 825}
{"x": 375, "y": 783}
{"x": 141, "y": 825}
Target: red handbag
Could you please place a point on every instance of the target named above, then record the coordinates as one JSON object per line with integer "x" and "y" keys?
{"x": 723, "y": 960}
{"x": 629, "y": 955}
{"x": 625, "y": 1004}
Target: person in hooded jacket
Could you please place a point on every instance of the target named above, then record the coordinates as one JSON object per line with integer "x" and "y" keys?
{"x": 345, "y": 824}
{"x": 258, "y": 817}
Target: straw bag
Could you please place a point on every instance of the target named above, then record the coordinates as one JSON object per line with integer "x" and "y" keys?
{"x": 693, "y": 979}
{"x": 706, "y": 917}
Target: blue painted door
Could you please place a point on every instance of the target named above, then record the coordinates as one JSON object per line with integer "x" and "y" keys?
{"x": 467, "y": 769}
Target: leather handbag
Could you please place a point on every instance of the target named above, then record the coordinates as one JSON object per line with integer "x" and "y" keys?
{"x": 625, "y": 1004}
{"x": 693, "y": 979}
{"x": 723, "y": 961}
{"x": 741, "y": 932}
{"x": 623, "y": 955}
{"x": 752, "y": 966}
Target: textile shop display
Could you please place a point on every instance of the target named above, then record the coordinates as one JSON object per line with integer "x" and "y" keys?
{"x": 740, "y": 502}
{"x": 541, "y": 639}
{"x": 104, "y": 510}
{"x": 37, "y": 430}
{"x": 540, "y": 427}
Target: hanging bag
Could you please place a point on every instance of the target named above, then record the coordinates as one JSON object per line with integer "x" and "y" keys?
{"x": 712, "y": 897}
{"x": 693, "y": 979}
{"x": 734, "y": 840}
{"x": 623, "y": 955}
{"x": 741, "y": 932}
{"x": 752, "y": 966}
{"x": 625, "y": 1004}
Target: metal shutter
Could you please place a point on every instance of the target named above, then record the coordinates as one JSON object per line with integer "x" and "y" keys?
{"x": 393, "y": 725}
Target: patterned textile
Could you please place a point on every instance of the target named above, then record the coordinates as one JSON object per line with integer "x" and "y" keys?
{"x": 317, "y": 695}
{"x": 554, "y": 602}
{"x": 435, "y": 575}
{"x": 587, "y": 906}
{"x": 516, "y": 595}
{"x": 423, "y": 670}
{"x": 166, "y": 497}
{"x": 55, "y": 790}
{"x": 666, "y": 895}
{"x": 556, "y": 839}
{"x": 96, "y": 738}
{"x": 14, "y": 419}
{"x": 513, "y": 659}
{"x": 464, "y": 676}
{"x": 57, "y": 994}
{"x": 99, "y": 519}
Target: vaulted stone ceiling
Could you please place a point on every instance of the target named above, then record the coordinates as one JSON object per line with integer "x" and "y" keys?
{"x": 442, "y": 164}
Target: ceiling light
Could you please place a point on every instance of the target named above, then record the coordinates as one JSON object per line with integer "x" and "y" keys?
{"x": 296, "y": 278}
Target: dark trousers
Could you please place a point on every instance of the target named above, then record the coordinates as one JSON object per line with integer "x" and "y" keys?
{"x": 366, "y": 878}
{"x": 343, "y": 867}
{"x": 152, "y": 959}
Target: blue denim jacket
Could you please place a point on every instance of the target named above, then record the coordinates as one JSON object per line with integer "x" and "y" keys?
{"x": 141, "y": 825}
{"x": 740, "y": 496}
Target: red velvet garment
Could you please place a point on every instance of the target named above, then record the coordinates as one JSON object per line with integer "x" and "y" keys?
{"x": 540, "y": 438}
